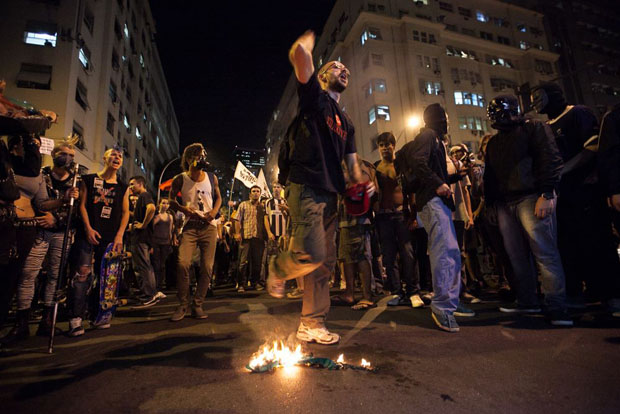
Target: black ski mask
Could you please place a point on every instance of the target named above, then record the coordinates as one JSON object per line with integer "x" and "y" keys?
{"x": 63, "y": 161}
{"x": 548, "y": 98}
{"x": 435, "y": 118}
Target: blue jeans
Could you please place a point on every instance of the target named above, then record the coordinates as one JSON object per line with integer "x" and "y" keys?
{"x": 525, "y": 235}
{"x": 444, "y": 254}
{"x": 141, "y": 260}
{"x": 395, "y": 238}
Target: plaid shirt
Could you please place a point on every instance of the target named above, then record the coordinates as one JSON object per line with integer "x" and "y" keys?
{"x": 251, "y": 217}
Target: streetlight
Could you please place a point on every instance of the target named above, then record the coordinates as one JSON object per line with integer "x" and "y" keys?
{"x": 414, "y": 121}
{"x": 161, "y": 176}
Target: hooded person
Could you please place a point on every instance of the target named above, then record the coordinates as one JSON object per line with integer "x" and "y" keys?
{"x": 584, "y": 221}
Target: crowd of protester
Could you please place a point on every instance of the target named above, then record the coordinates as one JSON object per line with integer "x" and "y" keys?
{"x": 532, "y": 212}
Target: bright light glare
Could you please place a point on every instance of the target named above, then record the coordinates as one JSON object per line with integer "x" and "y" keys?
{"x": 414, "y": 121}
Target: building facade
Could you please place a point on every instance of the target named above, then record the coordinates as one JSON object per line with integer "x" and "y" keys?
{"x": 95, "y": 64}
{"x": 405, "y": 55}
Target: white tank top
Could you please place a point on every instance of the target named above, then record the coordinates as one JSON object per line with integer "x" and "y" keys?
{"x": 197, "y": 195}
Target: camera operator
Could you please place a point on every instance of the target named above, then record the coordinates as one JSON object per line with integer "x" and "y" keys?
{"x": 201, "y": 200}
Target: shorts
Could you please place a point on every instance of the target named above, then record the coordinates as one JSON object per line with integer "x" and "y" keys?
{"x": 354, "y": 244}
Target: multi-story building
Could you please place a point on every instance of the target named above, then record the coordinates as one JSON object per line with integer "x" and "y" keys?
{"x": 586, "y": 36}
{"x": 405, "y": 55}
{"x": 96, "y": 65}
{"x": 253, "y": 159}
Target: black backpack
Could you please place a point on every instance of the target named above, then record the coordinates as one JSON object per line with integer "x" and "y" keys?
{"x": 287, "y": 146}
{"x": 409, "y": 183}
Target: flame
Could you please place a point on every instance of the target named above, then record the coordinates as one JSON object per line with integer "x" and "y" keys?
{"x": 340, "y": 359}
{"x": 277, "y": 353}
{"x": 365, "y": 364}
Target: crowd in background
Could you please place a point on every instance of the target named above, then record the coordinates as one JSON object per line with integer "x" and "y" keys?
{"x": 503, "y": 199}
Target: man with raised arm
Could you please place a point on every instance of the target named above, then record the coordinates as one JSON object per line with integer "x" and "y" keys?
{"x": 326, "y": 138}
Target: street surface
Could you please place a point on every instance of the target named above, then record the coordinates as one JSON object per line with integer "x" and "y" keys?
{"x": 146, "y": 364}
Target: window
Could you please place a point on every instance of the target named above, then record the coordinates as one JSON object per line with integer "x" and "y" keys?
{"x": 89, "y": 20}
{"x": 377, "y": 59}
{"x": 383, "y": 112}
{"x": 481, "y": 16}
{"x": 468, "y": 32}
{"x": 130, "y": 70}
{"x": 79, "y": 131}
{"x": 84, "y": 56}
{"x": 126, "y": 31}
{"x": 454, "y": 73}
{"x": 464, "y": 12}
{"x": 503, "y": 40}
{"x": 33, "y": 76}
{"x": 462, "y": 53}
{"x": 544, "y": 67}
{"x": 378, "y": 112}
{"x": 128, "y": 94}
{"x": 436, "y": 67}
{"x": 452, "y": 27}
{"x": 117, "y": 30}
{"x": 468, "y": 98}
{"x": 446, "y": 6}
{"x": 375, "y": 86}
{"x": 486, "y": 35}
{"x": 430, "y": 87}
{"x": 523, "y": 45}
{"x": 141, "y": 58}
{"x": 424, "y": 37}
{"x": 112, "y": 91}
{"x": 40, "y": 34}
{"x": 498, "y": 61}
{"x": 138, "y": 134}
{"x": 371, "y": 33}
{"x": 421, "y": 2}
{"x": 474, "y": 123}
{"x": 521, "y": 27}
{"x": 81, "y": 94}
{"x": 110, "y": 124}
{"x": 116, "y": 64}
{"x": 126, "y": 122}
{"x": 499, "y": 84}
{"x": 500, "y": 22}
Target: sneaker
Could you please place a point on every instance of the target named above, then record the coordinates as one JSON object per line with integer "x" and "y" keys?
{"x": 260, "y": 287}
{"x": 427, "y": 298}
{"x": 463, "y": 311}
{"x": 240, "y": 289}
{"x": 160, "y": 295}
{"x": 560, "y": 318}
{"x": 75, "y": 327}
{"x": 469, "y": 298}
{"x": 445, "y": 321}
{"x": 295, "y": 294}
{"x": 399, "y": 301}
{"x": 178, "y": 314}
{"x": 101, "y": 325}
{"x": 275, "y": 285}
{"x": 515, "y": 308}
{"x": 319, "y": 335}
{"x": 416, "y": 301}
{"x": 150, "y": 302}
{"x": 198, "y": 313}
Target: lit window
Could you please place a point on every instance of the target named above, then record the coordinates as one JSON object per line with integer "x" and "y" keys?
{"x": 157, "y": 141}
{"x": 383, "y": 112}
{"x": 126, "y": 122}
{"x": 377, "y": 59}
{"x": 522, "y": 28}
{"x": 481, "y": 17}
{"x": 462, "y": 122}
{"x": 371, "y": 33}
{"x": 84, "y": 56}
{"x": 126, "y": 31}
{"x": 380, "y": 86}
{"x": 458, "y": 98}
{"x": 372, "y": 115}
{"x": 524, "y": 45}
{"x": 141, "y": 60}
{"x": 34, "y": 76}
{"x": 138, "y": 134}
{"x": 40, "y": 34}
{"x": 466, "y": 98}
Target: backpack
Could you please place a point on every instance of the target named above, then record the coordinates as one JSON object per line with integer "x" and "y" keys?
{"x": 287, "y": 146}
{"x": 409, "y": 183}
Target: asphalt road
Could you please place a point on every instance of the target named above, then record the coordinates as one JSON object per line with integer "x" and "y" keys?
{"x": 146, "y": 364}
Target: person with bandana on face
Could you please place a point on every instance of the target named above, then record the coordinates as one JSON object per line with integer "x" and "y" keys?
{"x": 585, "y": 238}
{"x": 522, "y": 170}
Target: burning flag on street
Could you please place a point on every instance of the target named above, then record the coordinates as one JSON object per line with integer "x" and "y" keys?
{"x": 279, "y": 355}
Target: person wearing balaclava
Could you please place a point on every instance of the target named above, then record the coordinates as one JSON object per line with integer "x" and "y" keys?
{"x": 48, "y": 242}
{"x": 426, "y": 156}
{"x": 522, "y": 169}
{"x": 584, "y": 221}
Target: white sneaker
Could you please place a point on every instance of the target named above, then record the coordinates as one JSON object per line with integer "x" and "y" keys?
{"x": 319, "y": 335}
{"x": 75, "y": 327}
{"x": 275, "y": 285}
{"x": 160, "y": 295}
{"x": 416, "y": 301}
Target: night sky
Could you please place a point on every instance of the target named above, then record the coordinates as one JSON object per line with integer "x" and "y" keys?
{"x": 226, "y": 65}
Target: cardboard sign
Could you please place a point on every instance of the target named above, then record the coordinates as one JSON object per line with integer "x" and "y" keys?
{"x": 47, "y": 145}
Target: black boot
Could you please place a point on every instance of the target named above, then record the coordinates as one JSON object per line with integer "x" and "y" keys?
{"x": 45, "y": 326}
{"x": 20, "y": 331}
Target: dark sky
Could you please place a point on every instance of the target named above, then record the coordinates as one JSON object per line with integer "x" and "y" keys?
{"x": 226, "y": 64}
